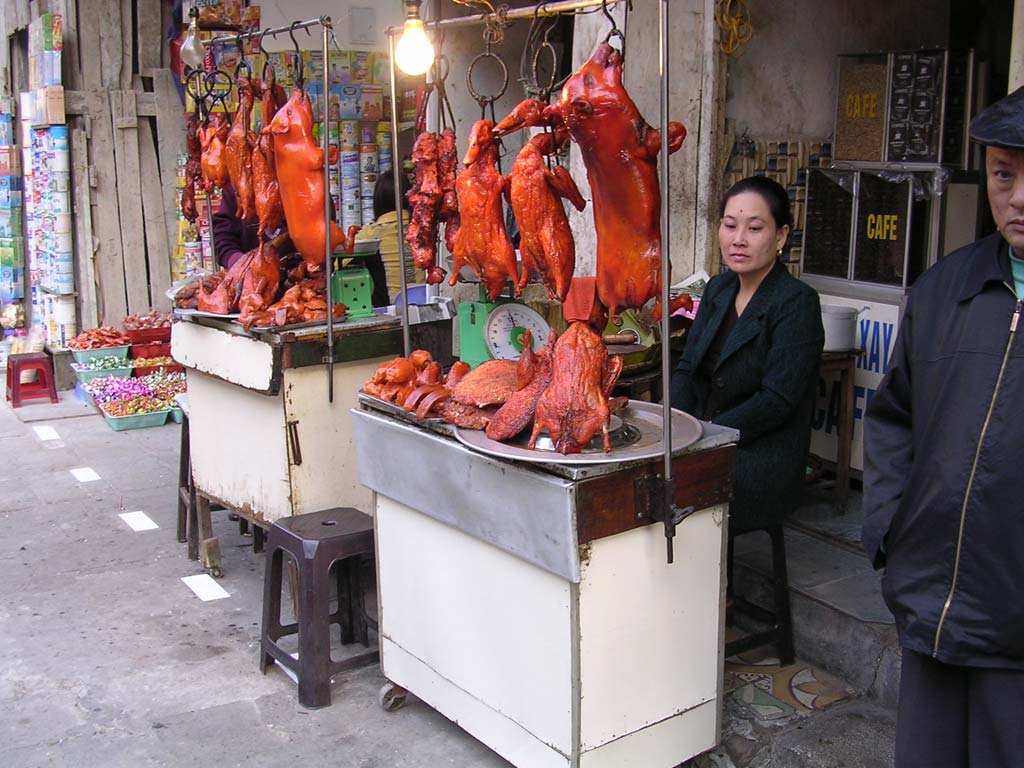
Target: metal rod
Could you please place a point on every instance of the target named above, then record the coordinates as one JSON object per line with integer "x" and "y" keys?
{"x": 396, "y": 169}
{"x": 526, "y": 12}
{"x": 666, "y": 372}
{"x": 325, "y": 142}
{"x": 209, "y": 224}
{"x": 272, "y": 32}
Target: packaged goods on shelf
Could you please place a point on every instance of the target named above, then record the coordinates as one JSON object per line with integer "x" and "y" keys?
{"x": 361, "y": 66}
{"x": 372, "y": 102}
{"x": 339, "y": 68}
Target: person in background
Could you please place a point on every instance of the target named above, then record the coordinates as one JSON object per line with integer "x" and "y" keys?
{"x": 943, "y": 486}
{"x": 385, "y": 229}
{"x": 233, "y": 238}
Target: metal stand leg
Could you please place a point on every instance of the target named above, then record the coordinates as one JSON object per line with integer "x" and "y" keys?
{"x": 208, "y": 545}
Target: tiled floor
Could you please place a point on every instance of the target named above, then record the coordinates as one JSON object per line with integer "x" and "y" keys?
{"x": 770, "y": 692}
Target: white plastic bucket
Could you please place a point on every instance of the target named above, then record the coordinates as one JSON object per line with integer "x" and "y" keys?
{"x": 840, "y": 326}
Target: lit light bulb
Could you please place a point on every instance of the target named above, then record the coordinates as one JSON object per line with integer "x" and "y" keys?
{"x": 414, "y": 53}
{"x": 192, "y": 53}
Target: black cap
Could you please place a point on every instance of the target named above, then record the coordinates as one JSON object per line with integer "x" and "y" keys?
{"x": 1001, "y": 124}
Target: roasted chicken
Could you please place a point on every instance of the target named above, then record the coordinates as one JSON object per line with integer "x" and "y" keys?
{"x": 425, "y": 197}
{"x": 546, "y": 243}
{"x": 238, "y": 152}
{"x": 533, "y": 375}
{"x": 482, "y": 241}
{"x": 300, "y": 163}
{"x": 212, "y": 162}
{"x": 620, "y": 152}
{"x": 574, "y": 407}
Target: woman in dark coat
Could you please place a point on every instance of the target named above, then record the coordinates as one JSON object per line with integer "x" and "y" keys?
{"x": 752, "y": 355}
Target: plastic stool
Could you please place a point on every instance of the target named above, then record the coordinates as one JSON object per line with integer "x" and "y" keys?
{"x": 780, "y": 621}
{"x": 43, "y": 386}
{"x": 338, "y": 538}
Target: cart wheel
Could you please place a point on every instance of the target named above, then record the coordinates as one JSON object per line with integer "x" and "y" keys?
{"x": 391, "y": 697}
{"x": 216, "y": 572}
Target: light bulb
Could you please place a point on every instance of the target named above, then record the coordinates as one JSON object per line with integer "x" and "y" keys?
{"x": 192, "y": 53}
{"x": 414, "y": 53}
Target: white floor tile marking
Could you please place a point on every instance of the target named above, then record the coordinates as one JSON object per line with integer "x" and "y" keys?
{"x": 85, "y": 474}
{"x": 46, "y": 433}
{"x": 205, "y": 587}
{"x": 139, "y": 521}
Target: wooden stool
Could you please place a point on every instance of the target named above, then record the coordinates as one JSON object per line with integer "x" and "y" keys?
{"x": 318, "y": 541}
{"x": 44, "y": 385}
{"x": 780, "y": 620}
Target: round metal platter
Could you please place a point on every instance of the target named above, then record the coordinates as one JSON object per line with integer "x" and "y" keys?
{"x": 637, "y": 416}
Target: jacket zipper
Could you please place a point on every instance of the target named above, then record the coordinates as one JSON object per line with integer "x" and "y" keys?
{"x": 974, "y": 467}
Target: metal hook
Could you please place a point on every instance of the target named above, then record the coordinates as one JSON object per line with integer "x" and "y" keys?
{"x": 300, "y": 78}
{"x": 614, "y": 31}
{"x": 267, "y": 66}
{"x": 484, "y": 100}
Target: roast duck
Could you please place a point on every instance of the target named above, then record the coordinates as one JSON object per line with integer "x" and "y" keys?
{"x": 546, "y": 243}
{"x": 415, "y": 383}
{"x": 433, "y": 198}
{"x": 212, "y": 160}
{"x": 482, "y": 242}
{"x": 299, "y": 163}
{"x": 250, "y": 285}
{"x": 238, "y": 152}
{"x": 304, "y": 302}
{"x": 620, "y": 152}
{"x": 267, "y": 193}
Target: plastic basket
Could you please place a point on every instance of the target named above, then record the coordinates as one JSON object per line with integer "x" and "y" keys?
{"x": 85, "y": 355}
{"x": 177, "y": 415}
{"x": 139, "y": 421}
{"x": 117, "y": 373}
{"x": 154, "y": 349}
{"x": 145, "y": 370}
{"x": 150, "y": 335}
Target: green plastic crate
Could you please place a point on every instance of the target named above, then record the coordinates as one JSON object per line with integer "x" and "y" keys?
{"x": 117, "y": 373}
{"x": 140, "y": 421}
{"x": 85, "y": 355}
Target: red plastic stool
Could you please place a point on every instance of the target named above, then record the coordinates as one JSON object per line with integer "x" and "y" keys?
{"x": 43, "y": 386}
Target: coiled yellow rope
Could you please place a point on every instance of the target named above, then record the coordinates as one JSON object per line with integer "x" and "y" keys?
{"x": 733, "y": 19}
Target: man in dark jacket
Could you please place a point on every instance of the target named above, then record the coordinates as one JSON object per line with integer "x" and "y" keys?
{"x": 944, "y": 484}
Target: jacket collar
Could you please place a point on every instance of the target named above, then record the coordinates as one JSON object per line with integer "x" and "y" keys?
{"x": 748, "y": 324}
{"x": 991, "y": 264}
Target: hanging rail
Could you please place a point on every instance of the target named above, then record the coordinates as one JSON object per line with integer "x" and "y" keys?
{"x": 325, "y": 117}
{"x": 512, "y": 14}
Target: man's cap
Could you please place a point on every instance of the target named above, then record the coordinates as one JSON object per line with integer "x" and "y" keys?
{"x": 1001, "y": 124}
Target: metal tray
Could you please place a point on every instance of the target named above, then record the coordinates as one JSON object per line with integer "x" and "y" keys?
{"x": 198, "y": 313}
{"x": 396, "y": 410}
{"x": 296, "y": 326}
{"x": 645, "y": 417}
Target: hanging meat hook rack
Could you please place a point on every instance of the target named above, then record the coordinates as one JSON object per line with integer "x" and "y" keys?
{"x": 327, "y": 27}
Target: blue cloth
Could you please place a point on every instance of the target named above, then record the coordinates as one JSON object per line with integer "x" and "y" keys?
{"x": 1017, "y": 268}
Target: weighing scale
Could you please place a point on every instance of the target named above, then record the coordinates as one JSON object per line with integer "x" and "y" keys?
{"x": 493, "y": 330}
{"x": 353, "y": 286}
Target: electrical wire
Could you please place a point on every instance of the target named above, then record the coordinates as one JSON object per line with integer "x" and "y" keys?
{"x": 733, "y": 19}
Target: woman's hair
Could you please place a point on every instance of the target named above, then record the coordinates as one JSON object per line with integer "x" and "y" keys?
{"x": 384, "y": 194}
{"x": 770, "y": 191}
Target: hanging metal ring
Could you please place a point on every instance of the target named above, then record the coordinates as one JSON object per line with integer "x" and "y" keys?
{"x": 544, "y": 90}
{"x": 481, "y": 99}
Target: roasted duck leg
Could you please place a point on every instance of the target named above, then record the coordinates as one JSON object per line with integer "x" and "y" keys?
{"x": 546, "y": 243}
{"x": 300, "y": 165}
{"x": 620, "y": 152}
{"x": 482, "y": 241}
{"x": 574, "y": 407}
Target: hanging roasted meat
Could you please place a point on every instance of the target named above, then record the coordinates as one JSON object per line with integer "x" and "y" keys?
{"x": 533, "y": 375}
{"x": 260, "y": 282}
{"x": 212, "y": 162}
{"x": 482, "y": 241}
{"x": 546, "y": 243}
{"x": 447, "y": 170}
{"x": 193, "y": 167}
{"x": 620, "y": 152}
{"x": 425, "y": 197}
{"x": 238, "y": 152}
{"x": 574, "y": 407}
{"x": 300, "y": 165}
{"x": 304, "y": 302}
{"x": 269, "y": 209}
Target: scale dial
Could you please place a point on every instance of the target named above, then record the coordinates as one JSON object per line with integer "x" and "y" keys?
{"x": 505, "y": 326}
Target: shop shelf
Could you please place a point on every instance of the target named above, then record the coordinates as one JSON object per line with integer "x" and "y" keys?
{"x": 85, "y": 355}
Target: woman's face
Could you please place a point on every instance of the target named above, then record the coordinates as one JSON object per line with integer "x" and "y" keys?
{"x": 748, "y": 236}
